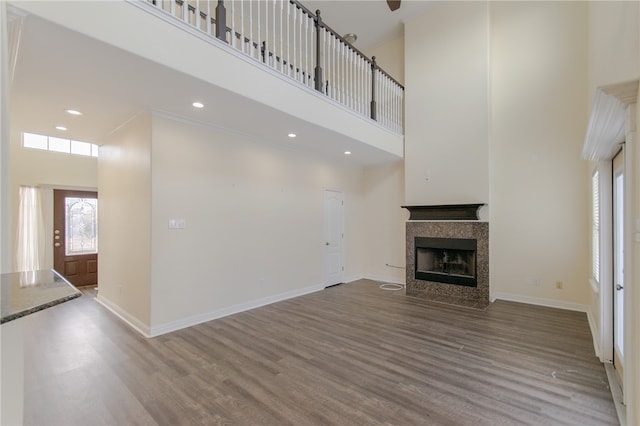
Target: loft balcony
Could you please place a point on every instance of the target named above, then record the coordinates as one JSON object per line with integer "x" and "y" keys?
{"x": 269, "y": 68}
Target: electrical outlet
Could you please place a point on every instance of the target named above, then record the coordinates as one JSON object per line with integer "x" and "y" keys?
{"x": 559, "y": 285}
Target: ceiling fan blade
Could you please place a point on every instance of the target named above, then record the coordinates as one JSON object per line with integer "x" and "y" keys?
{"x": 393, "y": 4}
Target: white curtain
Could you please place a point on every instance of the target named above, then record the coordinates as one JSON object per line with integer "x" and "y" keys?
{"x": 30, "y": 242}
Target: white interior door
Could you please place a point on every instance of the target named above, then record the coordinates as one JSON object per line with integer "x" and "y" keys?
{"x": 333, "y": 237}
{"x": 618, "y": 264}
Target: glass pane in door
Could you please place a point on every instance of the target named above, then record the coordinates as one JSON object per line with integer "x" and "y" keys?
{"x": 81, "y": 221}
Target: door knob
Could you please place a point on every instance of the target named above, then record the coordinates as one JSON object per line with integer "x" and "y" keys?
{"x": 619, "y": 287}
{"x": 326, "y": 244}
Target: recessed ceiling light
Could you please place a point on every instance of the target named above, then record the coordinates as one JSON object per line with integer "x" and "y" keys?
{"x": 61, "y": 128}
{"x": 73, "y": 112}
{"x": 292, "y": 135}
{"x": 347, "y": 153}
{"x": 198, "y": 105}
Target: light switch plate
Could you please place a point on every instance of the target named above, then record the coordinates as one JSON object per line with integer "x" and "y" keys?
{"x": 177, "y": 223}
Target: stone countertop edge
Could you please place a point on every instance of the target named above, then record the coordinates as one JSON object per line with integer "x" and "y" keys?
{"x": 19, "y": 313}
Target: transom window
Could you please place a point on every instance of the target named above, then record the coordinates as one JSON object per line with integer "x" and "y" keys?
{"x": 51, "y": 143}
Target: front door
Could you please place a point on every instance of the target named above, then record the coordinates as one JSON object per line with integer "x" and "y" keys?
{"x": 618, "y": 264}
{"x": 333, "y": 237}
{"x": 75, "y": 236}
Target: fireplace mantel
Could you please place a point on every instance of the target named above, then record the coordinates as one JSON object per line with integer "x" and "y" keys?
{"x": 444, "y": 212}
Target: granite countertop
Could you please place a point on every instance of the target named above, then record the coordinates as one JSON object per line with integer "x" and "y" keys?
{"x": 24, "y": 293}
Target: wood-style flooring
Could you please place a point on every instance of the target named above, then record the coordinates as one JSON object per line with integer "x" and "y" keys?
{"x": 348, "y": 355}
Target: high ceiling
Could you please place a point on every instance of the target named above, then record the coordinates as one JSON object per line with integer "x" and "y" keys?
{"x": 58, "y": 69}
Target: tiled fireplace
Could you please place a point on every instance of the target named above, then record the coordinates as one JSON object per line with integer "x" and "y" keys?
{"x": 448, "y": 255}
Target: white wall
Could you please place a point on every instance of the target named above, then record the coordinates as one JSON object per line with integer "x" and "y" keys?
{"x": 5, "y": 191}
{"x": 124, "y": 229}
{"x": 384, "y": 223}
{"x": 614, "y": 43}
{"x": 390, "y": 57}
{"x": 48, "y": 170}
{"x": 446, "y": 113}
{"x": 254, "y": 220}
{"x": 540, "y": 199}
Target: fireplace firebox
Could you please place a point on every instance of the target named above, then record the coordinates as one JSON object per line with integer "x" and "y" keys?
{"x": 446, "y": 260}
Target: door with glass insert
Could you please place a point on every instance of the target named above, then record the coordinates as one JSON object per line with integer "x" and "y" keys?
{"x": 75, "y": 236}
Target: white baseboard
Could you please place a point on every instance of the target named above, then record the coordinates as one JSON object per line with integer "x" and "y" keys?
{"x": 223, "y": 312}
{"x": 540, "y": 301}
{"x": 381, "y": 278}
{"x": 352, "y": 278}
{"x": 386, "y": 279}
{"x": 132, "y": 321}
{"x": 595, "y": 334}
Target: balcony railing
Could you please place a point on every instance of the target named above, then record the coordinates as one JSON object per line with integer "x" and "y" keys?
{"x": 287, "y": 37}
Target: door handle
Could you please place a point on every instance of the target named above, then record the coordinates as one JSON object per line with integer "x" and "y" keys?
{"x": 619, "y": 287}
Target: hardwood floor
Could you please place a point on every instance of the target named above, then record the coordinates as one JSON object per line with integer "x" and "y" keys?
{"x": 348, "y": 355}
